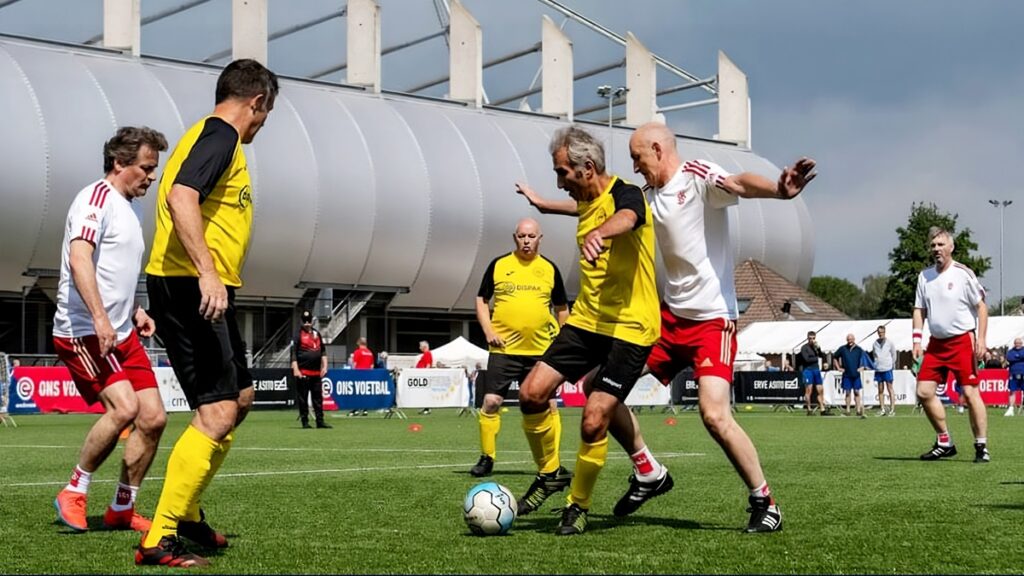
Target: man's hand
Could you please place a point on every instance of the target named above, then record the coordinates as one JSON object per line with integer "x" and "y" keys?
{"x": 105, "y": 334}
{"x": 215, "y": 297}
{"x": 494, "y": 340}
{"x": 793, "y": 179}
{"x": 323, "y": 371}
{"x": 143, "y": 323}
{"x": 593, "y": 246}
{"x": 525, "y": 190}
{"x": 979, "y": 349}
{"x": 917, "y": 350}
{"x": 296, "y": 372}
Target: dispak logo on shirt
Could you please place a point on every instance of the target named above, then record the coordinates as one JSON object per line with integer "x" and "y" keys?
{"x": 244, "y": 197}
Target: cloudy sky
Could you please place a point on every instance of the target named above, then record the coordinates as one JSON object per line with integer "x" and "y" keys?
{"x": 899, "y": 101}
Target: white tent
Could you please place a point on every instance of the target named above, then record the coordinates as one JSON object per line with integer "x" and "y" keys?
{"x": 460, "y": 353}
{"x": 787, "y": 337}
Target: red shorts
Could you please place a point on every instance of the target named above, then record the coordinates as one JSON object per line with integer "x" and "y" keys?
{"x": 945, "y": 355}
{"x": 707, "y": 345}
{"x": 92, "y": 372}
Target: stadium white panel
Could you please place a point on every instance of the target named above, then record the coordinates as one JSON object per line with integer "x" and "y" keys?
{"x": 352, "y": 189}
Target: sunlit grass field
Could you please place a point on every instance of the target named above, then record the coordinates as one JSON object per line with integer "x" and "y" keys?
{"x": 372, "y": 496}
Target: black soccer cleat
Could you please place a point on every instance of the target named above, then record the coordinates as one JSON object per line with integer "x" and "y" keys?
{"x": 981, "y": 454}
{"x": 544, "y": 485}
{"x": 201, "y": 533}
{"x": 483, "y": 467}
{"x": 640, "y": 492}
{"x": 765, "y": 515}
{"x": 938, "y": 452}
{"x": 574, "y": 520}
{"x": 169, "y": 552}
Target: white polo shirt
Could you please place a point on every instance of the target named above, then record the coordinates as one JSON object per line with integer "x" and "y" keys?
{"x": 103, "y": 217}
{"x": 950, "y": 298}
{"x": 692, "y": 228}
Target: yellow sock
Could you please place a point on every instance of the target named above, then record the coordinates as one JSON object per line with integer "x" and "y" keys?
{"x": 556, "y": 424}
{"x": 188, "y": 470}
{"x": 490, "y": 424}
{"x": 218, "y": 458}
{"x": 589, "y": 462}
{"x": 540, "y": 433}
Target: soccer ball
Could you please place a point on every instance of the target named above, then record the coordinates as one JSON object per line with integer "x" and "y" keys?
{"x": 489, "y": 509}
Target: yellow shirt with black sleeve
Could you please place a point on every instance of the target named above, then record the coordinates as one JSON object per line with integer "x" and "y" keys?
{"x": 618, "y": 296}
{"x": 209, "y": 159}
{"x": 524, "y": 292}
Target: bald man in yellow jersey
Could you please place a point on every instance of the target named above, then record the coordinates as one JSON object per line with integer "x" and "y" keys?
{"x": 525, "y": 287}
{"x": 203, "y": 223}
{"x": 613, "y": 324}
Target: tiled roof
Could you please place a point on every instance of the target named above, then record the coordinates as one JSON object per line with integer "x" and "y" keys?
{"x": 767, "y": 291}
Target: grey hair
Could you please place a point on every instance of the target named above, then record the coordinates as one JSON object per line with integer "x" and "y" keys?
{"x": 935, "y": 231}
{"x": 580, "y": 146}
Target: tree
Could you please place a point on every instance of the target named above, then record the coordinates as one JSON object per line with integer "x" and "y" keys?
{"x": 844, "y": 295}
{"x": 911, "y": 255}
{"x": 871, "y": 299}
{"x": 1011, "y": 304}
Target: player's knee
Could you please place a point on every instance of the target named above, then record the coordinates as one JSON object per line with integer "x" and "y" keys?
{"x": 593, "y": 427}
{"x": 151, "y": 422}
{"x": 716, "y": 420}
{"x": 532, "y": 400}
{"x": 491, "y": 405}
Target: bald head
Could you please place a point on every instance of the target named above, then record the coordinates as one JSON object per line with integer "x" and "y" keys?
{"x": 527, "y": 237}
{"x": 653, "y": 150}
{"x": 1017, "y": 342}
{"x": 851, "y": 339}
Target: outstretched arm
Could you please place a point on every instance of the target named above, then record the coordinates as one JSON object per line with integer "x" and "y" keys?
{"x": 791, "y": 182}
{"x": 564, "y": 207}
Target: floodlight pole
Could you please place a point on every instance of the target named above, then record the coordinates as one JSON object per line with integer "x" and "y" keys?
{"x": 1001, "y": 205}
{"x": 611, "y": 94}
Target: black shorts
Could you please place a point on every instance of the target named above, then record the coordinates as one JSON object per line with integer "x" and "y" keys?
{"x": 576, "y": 352}
{"x": 504, "y": 369}
{"x": 207, "y": 357}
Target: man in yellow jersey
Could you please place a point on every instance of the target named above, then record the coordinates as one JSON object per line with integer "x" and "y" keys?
{"x": 203, "y": 222}
{"x": 614, "y": 322}
{"x": 525, "y": 286}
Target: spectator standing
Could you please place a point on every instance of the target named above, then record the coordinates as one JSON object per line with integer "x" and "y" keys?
{"x": 309, "y": 366}
{"x": 362, "y": 359}
{"x": 1015, "y": 361}
{"x": 884, "y": 353}
{"x": 808, "y": 362}
{"x": 850, "y": 359}
{"x": 426, "y": 360}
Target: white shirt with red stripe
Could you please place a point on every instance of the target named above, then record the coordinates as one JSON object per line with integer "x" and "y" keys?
{"x": 950, "y": 299}
{"x": 692, "y": 227}
{"x": 103, "y": 217}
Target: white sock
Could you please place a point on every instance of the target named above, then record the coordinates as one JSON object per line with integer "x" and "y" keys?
{"x": 982, "y": 440}
{"x": 124, "y": 497}
{"x": 646, "y": 466}
{"x": 79, "y": 481}
{"x": 762, "y": 491}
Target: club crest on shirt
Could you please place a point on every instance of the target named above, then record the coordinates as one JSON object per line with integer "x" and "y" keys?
{"x": 681, "y": 197}
{"x": 949, "y": 286}
{"x": 244, "y": 197}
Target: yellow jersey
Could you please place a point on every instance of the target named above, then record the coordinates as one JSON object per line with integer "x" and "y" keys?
{"x": 524, "y": 292}
{"x": 208, "y": 158}
{"x": 618, "y": 296}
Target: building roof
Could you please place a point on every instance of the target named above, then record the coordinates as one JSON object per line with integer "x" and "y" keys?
{"x": 762, "y": 292}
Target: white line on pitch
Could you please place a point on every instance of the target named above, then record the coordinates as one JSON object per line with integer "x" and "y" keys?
{"x": 333, "y": 470}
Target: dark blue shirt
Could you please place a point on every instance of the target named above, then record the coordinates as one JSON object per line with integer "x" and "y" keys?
{"x": 1016, "y": 359}
{"x": 851, "y": 359}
